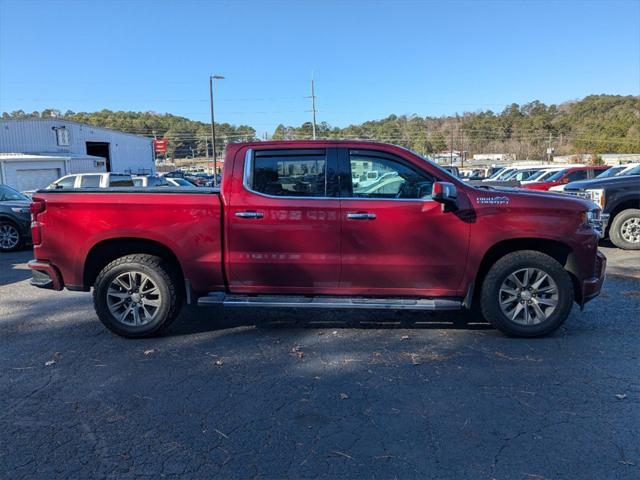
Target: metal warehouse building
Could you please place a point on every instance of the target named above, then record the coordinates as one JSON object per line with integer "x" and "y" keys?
{"x": 35, "y": 152}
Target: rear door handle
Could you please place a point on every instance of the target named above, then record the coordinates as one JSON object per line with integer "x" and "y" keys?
{"x": 249, "y": 214}
{"x": 361, "y": 216}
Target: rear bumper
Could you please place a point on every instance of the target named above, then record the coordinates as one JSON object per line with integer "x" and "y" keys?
{"x": 591, "y": 287}
{"x": 45, "y": 275}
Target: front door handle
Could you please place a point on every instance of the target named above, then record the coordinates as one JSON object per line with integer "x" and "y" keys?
{"x": 361, "y": 216}
{"x": 249, "y": 214}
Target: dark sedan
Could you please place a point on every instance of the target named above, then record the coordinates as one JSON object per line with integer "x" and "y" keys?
{"x": 15, "y": 219}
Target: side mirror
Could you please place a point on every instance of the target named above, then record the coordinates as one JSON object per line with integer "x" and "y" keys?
{"x": 444, "y": 192}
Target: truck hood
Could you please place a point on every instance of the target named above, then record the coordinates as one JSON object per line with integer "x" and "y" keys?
{"x": 533, "y": 198}
{"x": 604, "y": 182}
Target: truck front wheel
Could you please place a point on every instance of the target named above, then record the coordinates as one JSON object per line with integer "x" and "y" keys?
{"x": 625, "y": 229}
{"x": 137, "y": 296}
{"x": 526, "y": 294}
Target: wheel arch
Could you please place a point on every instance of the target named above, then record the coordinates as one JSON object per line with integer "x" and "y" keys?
{"x": 104, "y": 252}
{"x": 557, "y": 250}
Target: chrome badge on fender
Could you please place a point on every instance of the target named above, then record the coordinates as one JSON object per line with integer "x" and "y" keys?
{"x": 492, "y": 200}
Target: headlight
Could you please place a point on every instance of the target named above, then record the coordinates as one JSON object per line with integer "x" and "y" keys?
{"x": 20, "y": 209}
{"x": 593, "y": 219}
{"x": 596, "y": 195}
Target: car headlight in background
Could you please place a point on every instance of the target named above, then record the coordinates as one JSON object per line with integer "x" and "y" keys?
{"x": 20, "y": 209}
{"x": 596, "y": 195}
{"x": 593, "y": 219}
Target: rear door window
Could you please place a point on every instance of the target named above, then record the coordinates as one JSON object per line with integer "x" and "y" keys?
{"x": 289, "y": 173}
{"x": 90, "y": 181}
{"x": 577, "y": 175}
{"x": 120, "y": 181}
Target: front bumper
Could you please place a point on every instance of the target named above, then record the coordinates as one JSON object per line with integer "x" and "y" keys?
{"x": 591, "y": 287}
{"x": 45, "y": 275}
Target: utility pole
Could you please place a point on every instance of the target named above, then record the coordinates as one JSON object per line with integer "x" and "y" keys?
{"x": 462, "y": 150}
{"x": 313, "y": 108}
{"x": 549, "y": 149}
{"x": 451, "y": 149}
{"x": 213, "y": 127}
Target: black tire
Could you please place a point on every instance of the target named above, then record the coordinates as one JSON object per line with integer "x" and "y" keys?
{"x": 8, "y": 226}
{"x": 514, "y": 262}
{"x": 160, "y": 273}
{"x": 619, "y": 231}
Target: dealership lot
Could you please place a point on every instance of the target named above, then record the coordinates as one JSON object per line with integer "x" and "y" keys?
{"x": 296, "y": 394}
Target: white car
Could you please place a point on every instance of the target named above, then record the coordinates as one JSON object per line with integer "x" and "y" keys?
{"x": 180, "y": 182}
{"x": 92, "y": 180}
{"x": 149, "y": 181}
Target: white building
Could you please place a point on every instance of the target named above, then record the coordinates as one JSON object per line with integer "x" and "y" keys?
{"x": 35, "y": 152}
{"x": 494, "y": 157}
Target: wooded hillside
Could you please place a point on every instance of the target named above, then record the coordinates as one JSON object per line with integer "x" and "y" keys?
{"x": 596, "y": 124}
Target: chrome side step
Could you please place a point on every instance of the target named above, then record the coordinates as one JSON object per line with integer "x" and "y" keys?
{"x": 295, "y": 301}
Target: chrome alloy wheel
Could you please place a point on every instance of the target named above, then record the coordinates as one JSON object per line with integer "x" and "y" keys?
{"x": 528, "y": 296}
{"x": 9, "y": 237}
{"x": 630, "y": 230}
{"x": 134, "y": 299}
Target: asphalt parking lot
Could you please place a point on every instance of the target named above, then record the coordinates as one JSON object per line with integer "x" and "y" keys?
{"x": 298, "y": 394}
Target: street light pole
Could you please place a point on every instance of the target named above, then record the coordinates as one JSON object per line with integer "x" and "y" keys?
{"x": 213, "y": 128}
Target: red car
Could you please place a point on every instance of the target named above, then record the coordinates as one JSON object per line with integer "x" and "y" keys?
{"x": 571, "y": 174}
{"x": 305, "y": 224}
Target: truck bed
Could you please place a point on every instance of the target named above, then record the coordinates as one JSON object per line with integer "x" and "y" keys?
{"x": 77, "y": 224}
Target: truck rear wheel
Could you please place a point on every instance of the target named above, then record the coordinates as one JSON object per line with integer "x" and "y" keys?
{"x": 625, "y": 229}
{"x": 137, "y": 296}
{"x": 526, "y": 294}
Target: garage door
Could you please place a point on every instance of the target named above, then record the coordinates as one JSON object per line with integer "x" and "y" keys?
{"x": 33, "y": 179}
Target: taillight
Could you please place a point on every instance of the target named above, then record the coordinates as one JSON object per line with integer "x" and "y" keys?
{"x": 36, "y": 207}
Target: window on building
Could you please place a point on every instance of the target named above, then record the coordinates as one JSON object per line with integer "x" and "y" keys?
{"x": 62, "y": 136}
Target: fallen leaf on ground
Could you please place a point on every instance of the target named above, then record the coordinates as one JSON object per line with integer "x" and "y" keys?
{"x": 344, "y": 396}
{"x": 342, "y": 454}
{"x": 55, "y": 359}
{"x": 150, "y": 351}
{"x": 404, "y": 337}
{"x": 219, "y": 363}
{"x": 621, "y": 396}
{"x": 297, "y": 352}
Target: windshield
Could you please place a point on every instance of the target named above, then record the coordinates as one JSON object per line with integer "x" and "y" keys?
{"x": 497, "y": 173}
{"x": 8, "y": 193}
{"x": 557, "y": 175}
{"x": 546, "y": 175}
{"x": 610, "y": 172}
{"x": 633, "y": 171}
{"x": 537, "y": 175}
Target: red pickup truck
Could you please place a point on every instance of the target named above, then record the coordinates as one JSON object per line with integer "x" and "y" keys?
{"x": 306, "y": 224}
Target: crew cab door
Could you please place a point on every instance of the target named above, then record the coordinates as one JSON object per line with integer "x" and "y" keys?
{"x": 395, "y": 239}
{"x": 283, "y": 222}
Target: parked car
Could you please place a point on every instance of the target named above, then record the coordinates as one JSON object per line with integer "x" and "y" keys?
{"x": 149, "y": 181}
{"x": 452, "y": 170}
{"x": 570, "y": 174}
{"x": 542, "y": 175}
{"x": 618, "y": 170}
{"x": 15, "y": 219}
{"x": 619, "y": 199}
{"x": 289, "y": 229}
{"x": 92, "y": 180}
{"x": 180, "y": 182}
{"x": 174, "y": 174}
